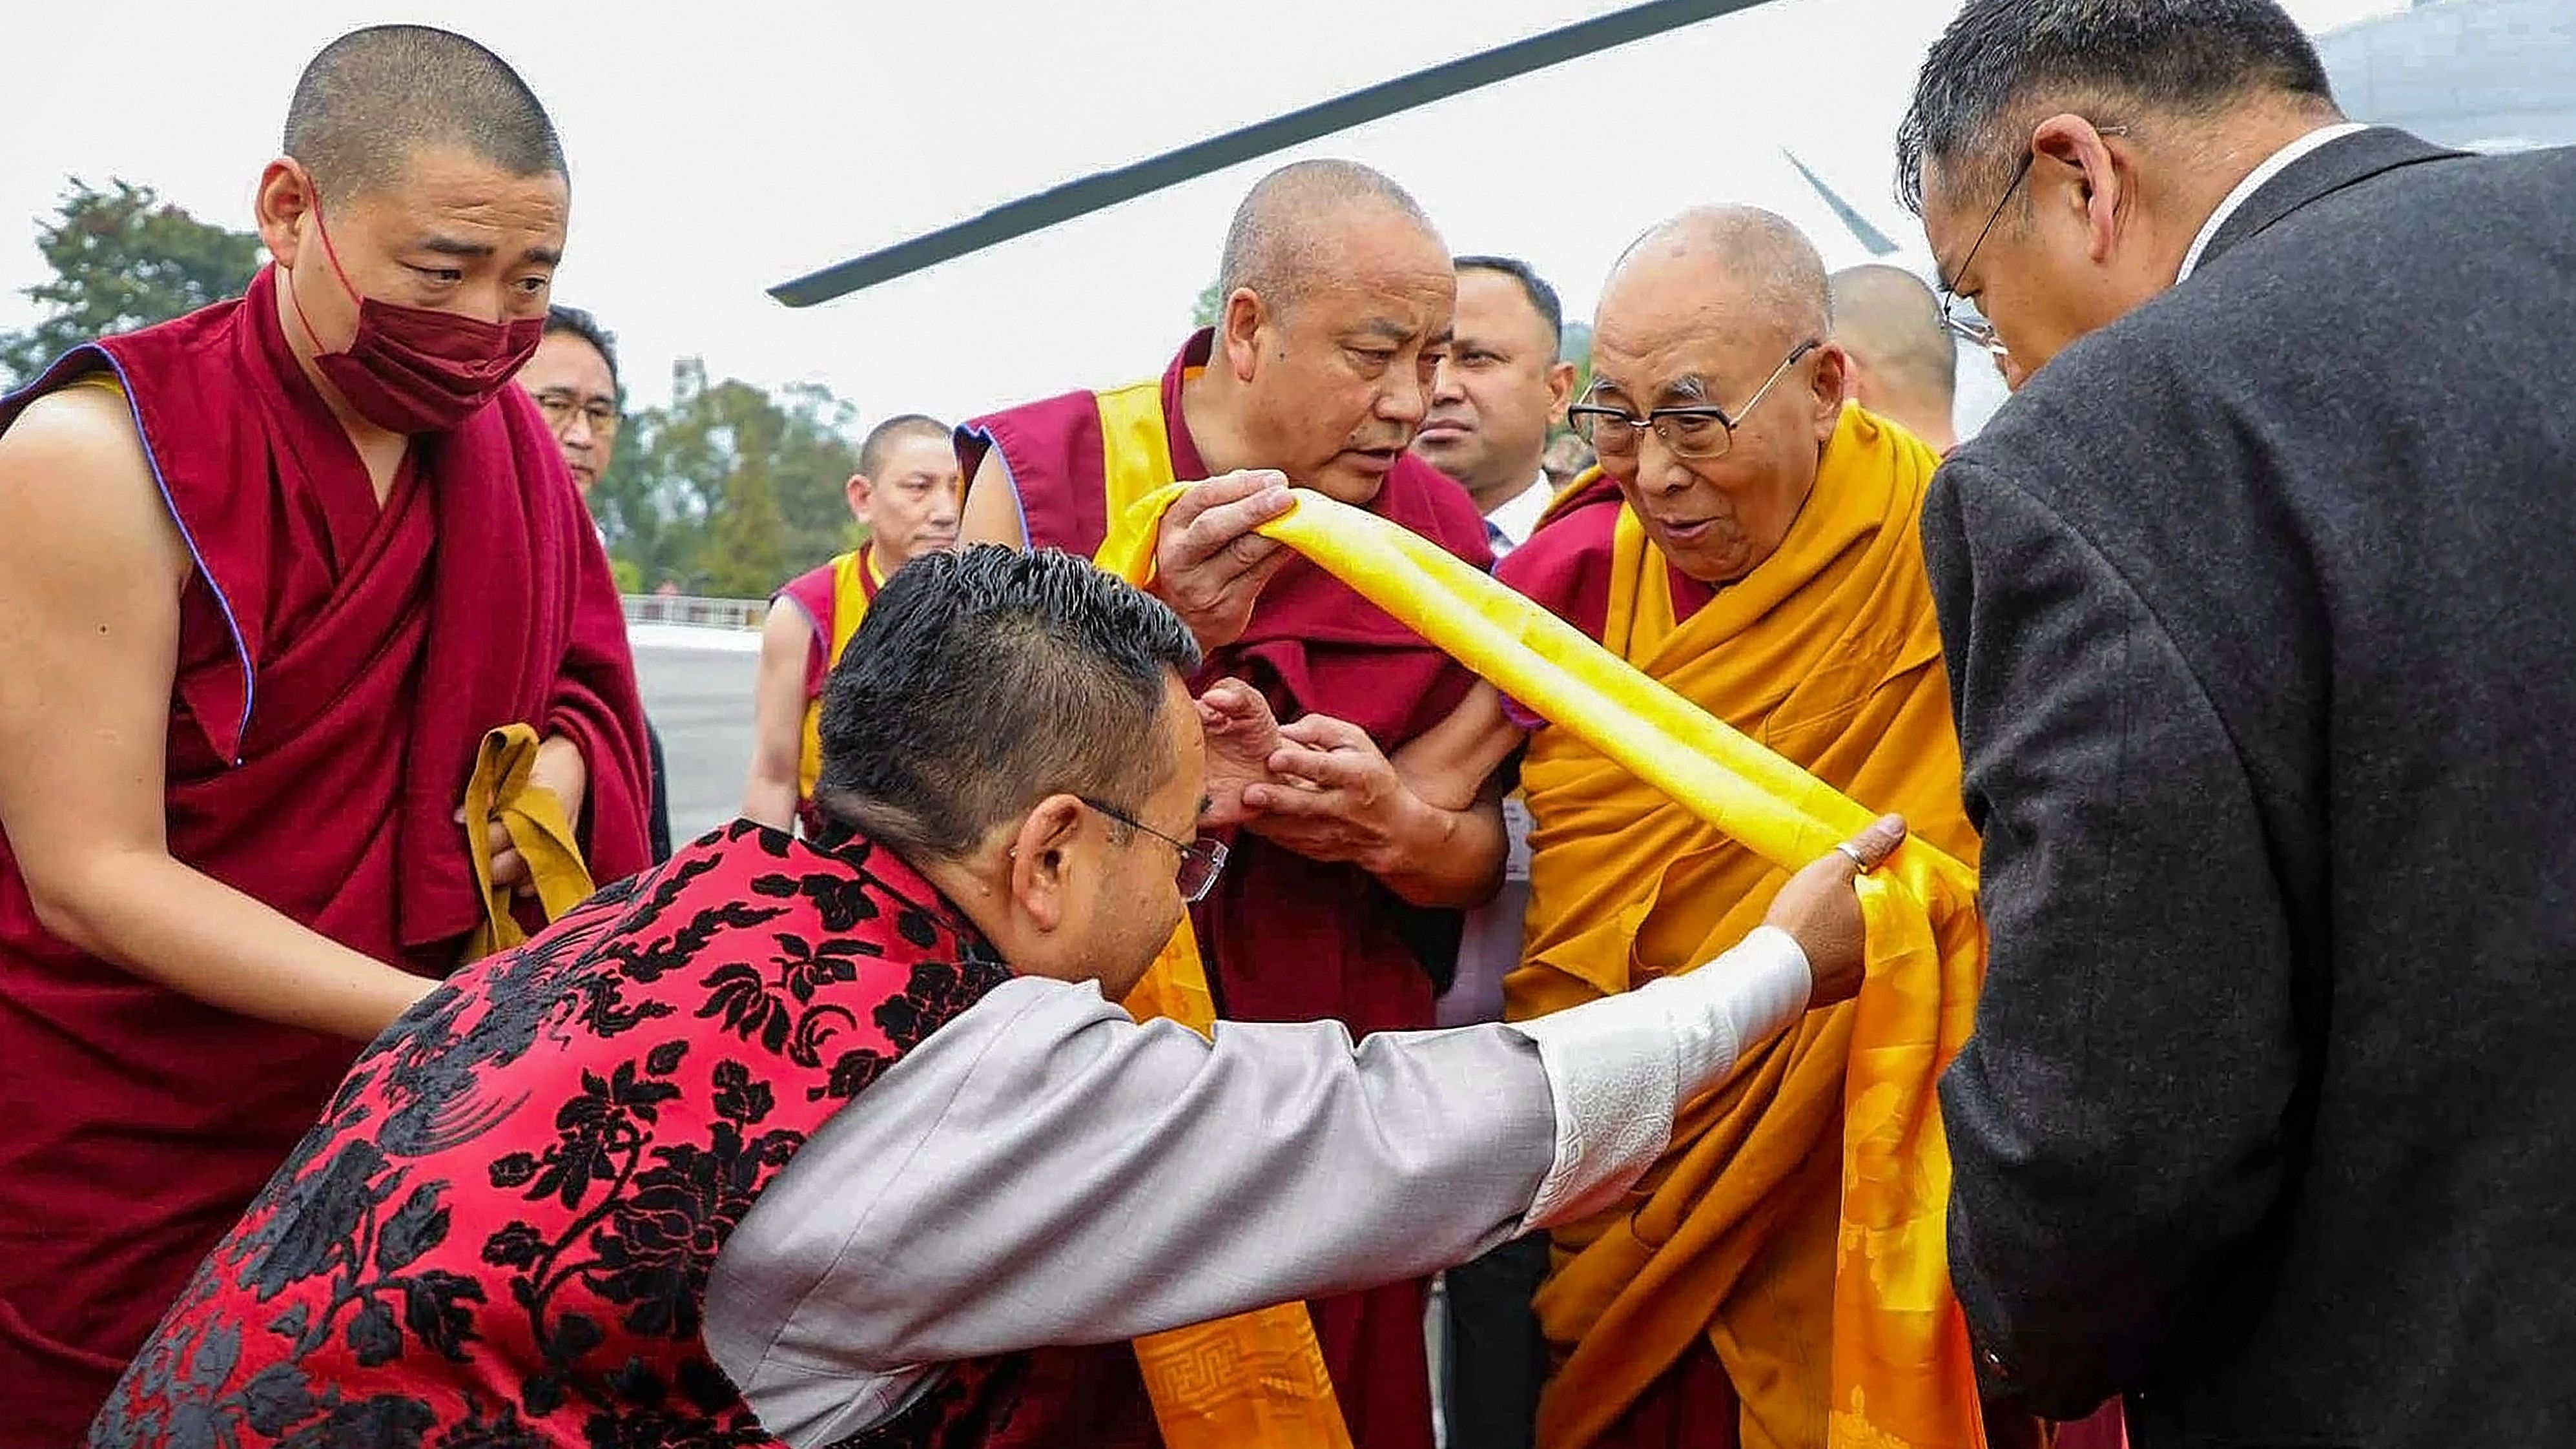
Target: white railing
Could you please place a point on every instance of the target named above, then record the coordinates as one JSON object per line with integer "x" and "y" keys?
{"x": 694, "y": 612}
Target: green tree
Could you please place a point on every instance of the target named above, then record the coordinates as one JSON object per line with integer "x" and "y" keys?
{"x": 1209, "y": 307}
{"x": 123, "y": 258}
{"x": 730, "y": 490}
{"x": 815, "y": 459}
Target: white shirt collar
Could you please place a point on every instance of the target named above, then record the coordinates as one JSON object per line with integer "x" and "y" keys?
{"x": 2278, "y": 162}
{"x": 1515, "y": 520}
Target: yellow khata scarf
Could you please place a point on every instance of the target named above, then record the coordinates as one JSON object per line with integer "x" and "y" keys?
{"x": 1902, "y": 1377}
{"x": 500, "y": 789}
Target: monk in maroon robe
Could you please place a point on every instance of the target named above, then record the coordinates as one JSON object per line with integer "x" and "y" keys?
{"x": 268, "y": 574}
{"x": 1340, "y": 901}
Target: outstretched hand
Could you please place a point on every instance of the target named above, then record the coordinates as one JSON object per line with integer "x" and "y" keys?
{"x": 1242, "y": 734}
{"x": 1820, "y": 908}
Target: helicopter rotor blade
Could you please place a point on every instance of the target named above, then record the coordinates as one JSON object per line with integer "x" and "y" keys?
{"x": 1105, "y": 189}
{"x": 1858, "y": 225}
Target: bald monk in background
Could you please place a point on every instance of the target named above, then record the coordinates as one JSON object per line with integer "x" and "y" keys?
{"x": 1904, "y": 361}
{"x": 906, "y": 494}
{"x": 268, "y": 573}
{"x": 1340, "y": 901}
{"x": 1749, "y": 540}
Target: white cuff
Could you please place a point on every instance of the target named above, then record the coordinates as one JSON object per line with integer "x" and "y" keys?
{"x": 1620, "y": 1067}
{"x": 1727, "y": 1007}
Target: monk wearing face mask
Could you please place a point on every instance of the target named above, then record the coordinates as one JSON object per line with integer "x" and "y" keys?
{"x": 269, "y": 574}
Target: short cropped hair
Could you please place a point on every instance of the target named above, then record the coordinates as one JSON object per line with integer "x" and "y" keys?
{"x": 2188, "y": 57}
{"x": 872, "y": 448}
{"x": 1542, "y": 297}
{"x": 574, "y": 322}
{"x": 984, "y": 681}
{"x": 374, "y": 97}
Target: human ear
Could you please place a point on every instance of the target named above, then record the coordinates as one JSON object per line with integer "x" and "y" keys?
{"x": 1044, "y": 861}
{"x": 285, "y": 194}
{"x": 1833, "y": 381}
{"x": 1239, "y": 331}
{"x": 2101, "y": 180}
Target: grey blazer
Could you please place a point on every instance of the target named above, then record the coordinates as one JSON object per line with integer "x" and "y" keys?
{"x": 2260, "y": 614}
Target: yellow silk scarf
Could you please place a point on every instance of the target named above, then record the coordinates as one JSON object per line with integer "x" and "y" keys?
{"x": 500, "y": 789}
{"x": 1901, "y": 1372}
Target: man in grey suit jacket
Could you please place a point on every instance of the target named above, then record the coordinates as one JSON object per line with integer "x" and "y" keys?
{"x": 2259, "y": 613}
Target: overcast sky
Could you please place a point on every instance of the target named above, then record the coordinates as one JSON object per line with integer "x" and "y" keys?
{"x": 734, "y": 145}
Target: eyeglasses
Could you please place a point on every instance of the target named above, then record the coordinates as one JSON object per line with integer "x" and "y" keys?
{"x": 1963, "y": 317}
{"x": 1696, "y": 433}
{"x": 1201, "y": 860}
{"x": 561, "y": 408}
{"x": 1959, "y": 315}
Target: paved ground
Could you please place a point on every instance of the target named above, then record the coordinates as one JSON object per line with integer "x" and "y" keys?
{"x": 698, "y": 692}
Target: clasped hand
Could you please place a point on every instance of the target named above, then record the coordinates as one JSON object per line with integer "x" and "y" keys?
{"x": 1318, "y": 786}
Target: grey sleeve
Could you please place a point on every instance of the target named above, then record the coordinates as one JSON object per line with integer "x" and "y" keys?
{"x": 2115, "y": 1121}
{"x": 1044, "y": 1170}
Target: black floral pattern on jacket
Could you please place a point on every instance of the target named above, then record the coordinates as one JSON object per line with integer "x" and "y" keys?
{"x": 501, "y": 1231}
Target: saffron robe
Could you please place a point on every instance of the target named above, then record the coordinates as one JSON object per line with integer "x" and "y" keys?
{"x": 834, "y": 599}
{"x": 1282, "y": 938}
{"x": 340, "y": 662}
{"x": 1900, "y": 1371}
{"x": 1724, "y": 1257}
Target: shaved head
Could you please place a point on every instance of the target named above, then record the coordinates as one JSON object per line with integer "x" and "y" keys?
{"x": 1281, "y": 242}
{"x": 882, "y": 438}
{"x": 1338, "y": 299}
{"x": 375, "y": 97}
{"x": 1736, "y": 267}
{"x": 1891, "y": 324}
{"x": 1721, "y": 311}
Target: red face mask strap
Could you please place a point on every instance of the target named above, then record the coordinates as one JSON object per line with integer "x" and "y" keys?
{"x": 330, "y": 254}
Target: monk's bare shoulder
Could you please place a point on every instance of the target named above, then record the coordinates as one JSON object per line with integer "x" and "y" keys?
{"x": 992, "y": 512}
{"x": 77, "y": 492}
{"x": 785, "y": 636}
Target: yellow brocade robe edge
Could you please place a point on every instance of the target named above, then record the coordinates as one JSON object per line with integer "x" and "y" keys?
{"x": 1258, "y": 1377}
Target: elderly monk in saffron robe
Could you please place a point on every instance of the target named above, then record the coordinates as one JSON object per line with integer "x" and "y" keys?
{"x": 1338, "y": 296}
{"x": 268, "y": 575}
{"x": 1750, "y": 541}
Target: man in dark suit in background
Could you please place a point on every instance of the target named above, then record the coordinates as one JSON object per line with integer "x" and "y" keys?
{"x": 2258, "y": 607}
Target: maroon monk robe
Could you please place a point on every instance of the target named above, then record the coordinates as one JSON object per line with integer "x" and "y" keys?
{"x": 338, "y": 661}
{"x": 1566, "y": 562}
{"x": 1285, "y": 938}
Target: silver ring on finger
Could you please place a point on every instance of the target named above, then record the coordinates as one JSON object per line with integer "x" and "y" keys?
{"x": 1850, "y": 852}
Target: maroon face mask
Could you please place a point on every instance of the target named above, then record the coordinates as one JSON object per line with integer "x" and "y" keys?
{"x": 415, "y": 370}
